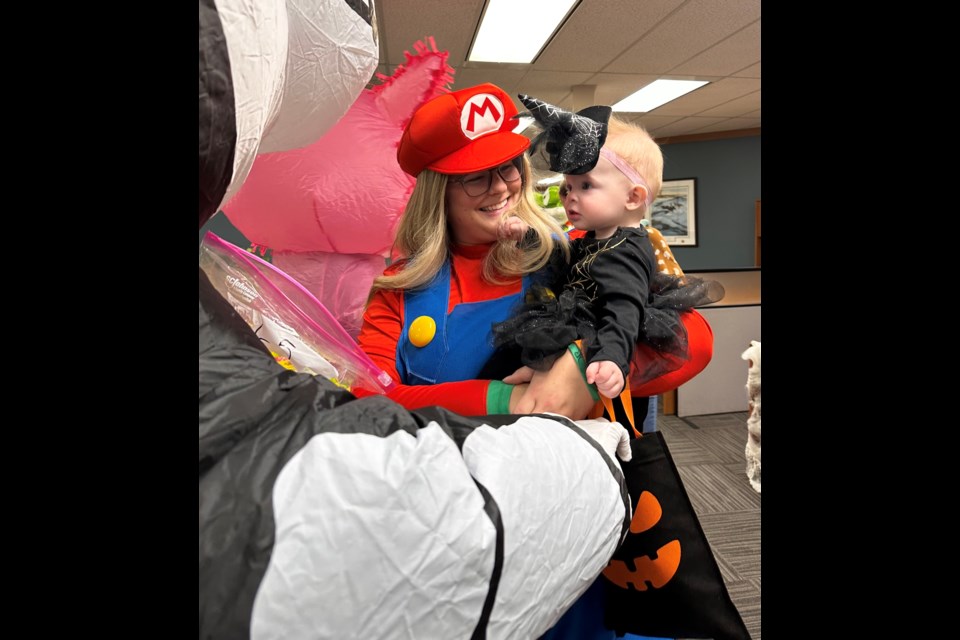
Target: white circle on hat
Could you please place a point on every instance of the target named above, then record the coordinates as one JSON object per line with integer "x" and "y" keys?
{"x": 481, "y": 114}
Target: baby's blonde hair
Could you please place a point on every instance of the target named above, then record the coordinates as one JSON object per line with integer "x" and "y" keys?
{"x": 632, "y": 143}
{"x": 424, "y": 239}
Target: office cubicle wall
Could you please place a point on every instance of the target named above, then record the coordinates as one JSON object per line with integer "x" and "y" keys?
{"x": 735, "y": 321}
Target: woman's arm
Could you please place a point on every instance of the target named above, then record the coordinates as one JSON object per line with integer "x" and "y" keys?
{"x": 562, "y": 390}
{"x": 699, "y": 355}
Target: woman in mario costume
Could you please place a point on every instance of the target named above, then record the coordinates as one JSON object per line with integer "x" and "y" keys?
{"x": 428, "y": 320}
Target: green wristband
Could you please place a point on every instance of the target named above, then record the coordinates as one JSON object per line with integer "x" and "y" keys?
{"x": 582, "y": 365}
{"x": 498, "y": 397}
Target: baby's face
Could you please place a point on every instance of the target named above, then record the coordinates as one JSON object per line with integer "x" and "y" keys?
{"x": 597, "y": 200}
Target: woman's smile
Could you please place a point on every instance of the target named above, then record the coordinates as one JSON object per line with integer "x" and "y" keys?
{"x": 496, "y": 208}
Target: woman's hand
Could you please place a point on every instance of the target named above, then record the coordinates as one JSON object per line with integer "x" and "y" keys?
{"x": 561, "y": 390}
{"x": 523, "y": 374}
{"x": 516, "y": 394}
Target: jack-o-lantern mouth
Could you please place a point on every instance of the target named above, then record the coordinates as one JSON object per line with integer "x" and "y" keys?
{"x": 656, "y": 572}
{"x": 647, "y": 570}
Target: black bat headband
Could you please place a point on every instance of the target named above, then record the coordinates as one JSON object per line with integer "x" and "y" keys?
{"x": 572, "y": 141}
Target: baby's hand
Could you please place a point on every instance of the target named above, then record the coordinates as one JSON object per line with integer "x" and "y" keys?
{"x": 512, "y": 228}
{"x": 608, "y": 377}
{"x": 521, "y": 375}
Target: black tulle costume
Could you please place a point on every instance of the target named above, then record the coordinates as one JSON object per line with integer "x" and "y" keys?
{"x": 613, "y": 298}
{"x": 611, "y": 295}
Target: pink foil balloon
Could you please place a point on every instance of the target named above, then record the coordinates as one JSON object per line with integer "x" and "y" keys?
{"x": 345, "y": 192}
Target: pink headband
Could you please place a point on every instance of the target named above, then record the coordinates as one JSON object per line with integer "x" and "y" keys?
{"x": 626, "y": 170}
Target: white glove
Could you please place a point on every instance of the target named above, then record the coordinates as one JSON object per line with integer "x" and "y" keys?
{"x": 611, "y": 436}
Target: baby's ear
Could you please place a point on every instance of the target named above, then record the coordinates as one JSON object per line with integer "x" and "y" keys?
{"x": 636, "y": 197}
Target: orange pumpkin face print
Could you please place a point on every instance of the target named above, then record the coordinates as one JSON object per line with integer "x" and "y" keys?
{"x": 654, "y": 571}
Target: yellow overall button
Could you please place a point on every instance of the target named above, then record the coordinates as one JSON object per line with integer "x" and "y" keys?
{"x": 422, "y": 331}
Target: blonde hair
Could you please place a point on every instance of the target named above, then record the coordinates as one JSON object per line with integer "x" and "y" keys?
{"x": 632, "y": 143}
{"x": 424, "y": 239}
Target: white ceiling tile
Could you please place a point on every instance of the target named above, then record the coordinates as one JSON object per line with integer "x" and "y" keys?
{"x": 600, "y": 30}
{"x": 404, "y": 22}
{"x": 727, "y": 56}
{"x": 687, "y": 32}
{"x": 650, "y": 123}
{"x": 738, "y": 107}
{"x": 506, "y": 79}
{"x": 753, "y": 71}
{"x": 730, "y": 124}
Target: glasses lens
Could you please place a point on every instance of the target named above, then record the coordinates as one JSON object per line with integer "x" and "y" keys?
{"x": 477, "y": 184}
{"x": 509, "y": 172}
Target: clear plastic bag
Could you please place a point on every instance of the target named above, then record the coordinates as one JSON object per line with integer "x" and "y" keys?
{"x": 295, "y": 326}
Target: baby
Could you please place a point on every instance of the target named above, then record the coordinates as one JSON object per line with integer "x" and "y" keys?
{"x": 611, "y": 298}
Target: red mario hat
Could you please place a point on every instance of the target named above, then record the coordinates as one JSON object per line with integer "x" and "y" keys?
{"x": 461, "y": 132}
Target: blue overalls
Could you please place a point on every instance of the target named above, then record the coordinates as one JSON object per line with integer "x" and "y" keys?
{"x": 465, "y": 331}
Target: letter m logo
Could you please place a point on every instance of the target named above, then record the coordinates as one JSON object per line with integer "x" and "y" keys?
{"x": 482, "y": 113}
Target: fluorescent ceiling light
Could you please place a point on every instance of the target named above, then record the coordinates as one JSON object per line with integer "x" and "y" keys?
{"x": 657, "y": 93}
{"x": 515, "y": 31}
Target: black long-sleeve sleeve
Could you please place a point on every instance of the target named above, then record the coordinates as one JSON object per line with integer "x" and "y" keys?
{"x": 615, "y": 273}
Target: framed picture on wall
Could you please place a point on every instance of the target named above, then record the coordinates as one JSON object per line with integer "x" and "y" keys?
{"x": 674, "y": 212}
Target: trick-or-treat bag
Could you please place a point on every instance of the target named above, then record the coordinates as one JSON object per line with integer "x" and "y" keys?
{"x": 663, "y": 580}
{"x": 297, "y": 329}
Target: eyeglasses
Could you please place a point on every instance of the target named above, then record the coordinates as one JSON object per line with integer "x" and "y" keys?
{"x": 477, "y": 184}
